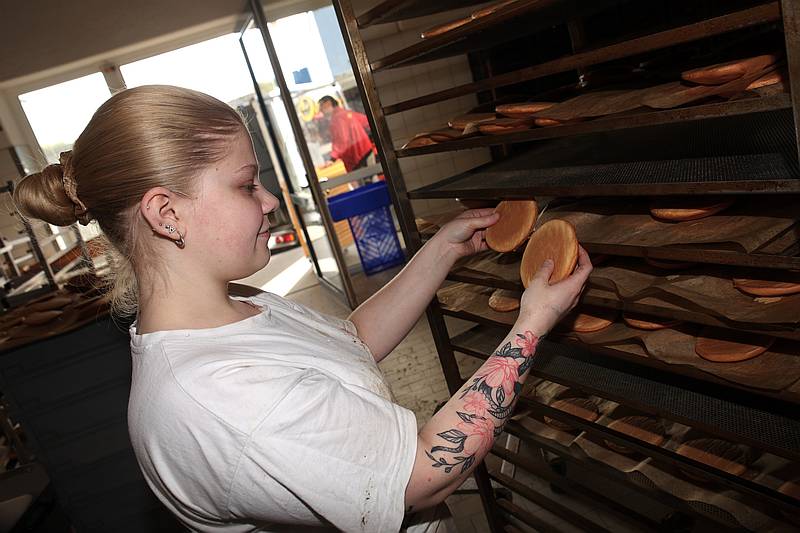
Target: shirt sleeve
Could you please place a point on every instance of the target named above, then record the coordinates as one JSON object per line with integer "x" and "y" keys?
{"x": 346, "y": 453}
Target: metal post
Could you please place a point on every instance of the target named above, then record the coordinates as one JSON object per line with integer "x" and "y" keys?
{"x": 791, "y": 31}
{"x": 319, "y": 197}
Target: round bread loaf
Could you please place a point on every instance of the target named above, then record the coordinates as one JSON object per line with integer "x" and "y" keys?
{"x": 728, "y": 71}
{"x": 770, "y": 78}
{"x": 687, "y": 209}
{"x": 759, "y": 287}
{"x": 445, "y": 134}
{"x": 421, "y": 139}
{"x": 504, "y": 301}
{"x": 556, "y": 240}
{"x": 590, "y": 322}
{"x": 648, "y": 323}
{"x": 501, "y": 126}
{"x": 730, "y": 346}
{"x": 644, "y": 428}
{"x": 717, "y": 453}
{"x": 516, "y": 223}
{"x": 580, "y": 407}
{"x": 522, "y": 110}
{"x": 462, "y": 121}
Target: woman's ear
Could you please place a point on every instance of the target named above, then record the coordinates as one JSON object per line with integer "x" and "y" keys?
{"x": 159, "y": 209}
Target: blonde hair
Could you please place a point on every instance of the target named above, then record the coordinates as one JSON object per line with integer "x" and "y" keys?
{"x": 149, "y": 136}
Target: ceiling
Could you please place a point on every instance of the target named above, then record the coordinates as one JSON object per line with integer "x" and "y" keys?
{"x": 37, "y": 35}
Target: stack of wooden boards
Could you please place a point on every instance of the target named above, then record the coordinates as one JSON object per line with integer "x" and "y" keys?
{"x": 747, "y": 77}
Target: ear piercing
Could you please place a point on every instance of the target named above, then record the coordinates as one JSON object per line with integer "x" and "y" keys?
{"x": 170, "y": 228}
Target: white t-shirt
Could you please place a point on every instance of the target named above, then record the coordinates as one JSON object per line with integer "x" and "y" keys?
{"x": 278, "y": 422}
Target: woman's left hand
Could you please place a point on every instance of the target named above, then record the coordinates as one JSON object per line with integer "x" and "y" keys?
{"x": 465, "y": 233}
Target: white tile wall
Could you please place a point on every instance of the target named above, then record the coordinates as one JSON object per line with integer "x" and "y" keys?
{"x": 399, "y": 84}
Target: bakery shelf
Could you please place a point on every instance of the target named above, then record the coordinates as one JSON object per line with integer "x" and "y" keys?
{"x": 550, "y": 505}
{"x": 649, "y": 123}
{"x": 669, "y": 457}
{"x": 758, "y": 15}
{"x": 397, "y": 10}
{"x": 520, "y": 18}
{"x": 658, "y": 453}
{"x": 482, "y": 340}
{"x": 602, "y": 471}
{"x": 478, "y": 311}
{"x": 576, "y": 491}
{"x": 661, "y": 395}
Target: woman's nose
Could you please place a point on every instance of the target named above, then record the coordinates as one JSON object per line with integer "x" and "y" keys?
{"x": 269, "y": 203}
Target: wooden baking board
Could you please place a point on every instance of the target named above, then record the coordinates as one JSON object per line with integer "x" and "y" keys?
{"x": 775, "y": 370}
{"x": 707, "y": 289}
{"x": 744, "y": 227}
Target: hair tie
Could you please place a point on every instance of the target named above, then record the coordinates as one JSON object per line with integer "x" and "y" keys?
{"x": 71, "y": 188}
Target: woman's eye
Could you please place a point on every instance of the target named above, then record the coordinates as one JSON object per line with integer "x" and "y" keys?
{"x": 251, "y": 188}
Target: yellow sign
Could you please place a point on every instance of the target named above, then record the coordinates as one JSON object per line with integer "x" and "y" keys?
{"x": 307, "y": 108}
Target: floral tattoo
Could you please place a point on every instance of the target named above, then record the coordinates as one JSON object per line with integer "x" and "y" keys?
{"x": 488, "y": 402}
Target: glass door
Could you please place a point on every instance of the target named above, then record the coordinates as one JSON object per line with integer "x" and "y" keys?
{"x": 283, "y": 106}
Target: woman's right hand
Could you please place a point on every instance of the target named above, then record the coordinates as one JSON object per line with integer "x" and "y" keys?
{"x": 543, "y": 305}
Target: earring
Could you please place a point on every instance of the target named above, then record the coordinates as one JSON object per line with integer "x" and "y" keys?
{"x": 170, "y": 228}
{"x": 180, "y": 243}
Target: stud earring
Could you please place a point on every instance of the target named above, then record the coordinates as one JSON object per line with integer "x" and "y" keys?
{"x": 170, "y": 228}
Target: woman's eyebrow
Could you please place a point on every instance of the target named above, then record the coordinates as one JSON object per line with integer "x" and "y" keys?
{"x": 249, "y": 167}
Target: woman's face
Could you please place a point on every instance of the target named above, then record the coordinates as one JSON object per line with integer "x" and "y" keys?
{"x": 229, "y": 233}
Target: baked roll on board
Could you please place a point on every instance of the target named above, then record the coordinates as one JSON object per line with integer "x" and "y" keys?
{"x": 643, "y": 428}
{"x": 729, "y": 71}
{"x": 730, "y": 346}
{"x": 516, "y": 223}
{"x": 556, "y": 240}
{"x": 580, "y": 407}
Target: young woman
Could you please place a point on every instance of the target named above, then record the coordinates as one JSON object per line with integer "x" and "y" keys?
{"x": 258, "y": 414}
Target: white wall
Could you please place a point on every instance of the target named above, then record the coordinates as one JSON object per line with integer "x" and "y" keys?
{"x": 395, "y": 85}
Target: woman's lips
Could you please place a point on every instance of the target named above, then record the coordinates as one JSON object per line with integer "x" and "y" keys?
{"x": 264, "y": 234}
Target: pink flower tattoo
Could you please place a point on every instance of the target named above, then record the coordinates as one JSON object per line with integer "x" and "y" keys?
{"x": 488, "y": 402}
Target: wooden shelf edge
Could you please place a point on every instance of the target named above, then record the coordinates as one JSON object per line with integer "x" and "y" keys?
{"x": 611, "y": 123}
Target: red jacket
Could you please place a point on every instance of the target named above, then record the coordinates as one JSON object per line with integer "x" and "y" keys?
{"x": 349, "y": 138}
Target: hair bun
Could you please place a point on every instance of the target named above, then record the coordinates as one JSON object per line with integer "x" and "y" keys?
{"x": 42, "y": 195}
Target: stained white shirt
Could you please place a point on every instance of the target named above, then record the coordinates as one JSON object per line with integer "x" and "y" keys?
{"x": 279, "y": 422}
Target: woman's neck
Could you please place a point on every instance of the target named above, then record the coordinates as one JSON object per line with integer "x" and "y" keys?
{"x": 187, "y": 304}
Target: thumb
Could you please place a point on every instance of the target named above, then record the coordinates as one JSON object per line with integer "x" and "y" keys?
{"x": 483, "y": 221}
{"x": 543, "y": 274}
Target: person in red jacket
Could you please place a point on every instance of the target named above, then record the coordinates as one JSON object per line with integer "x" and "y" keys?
{"x": 349, "y": 135}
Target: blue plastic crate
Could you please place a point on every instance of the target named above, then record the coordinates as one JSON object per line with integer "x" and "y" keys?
{"x": 367, "y": 212}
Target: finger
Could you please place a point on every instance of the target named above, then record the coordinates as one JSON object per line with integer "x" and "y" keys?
{"x": 542, "y": 275}
{"x": 479, "y": 223}
{"x": 584, "y": 261}
{"x": 482, "y": 212}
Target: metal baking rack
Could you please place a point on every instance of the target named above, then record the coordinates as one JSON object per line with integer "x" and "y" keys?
{"x": 745, "y": 147}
